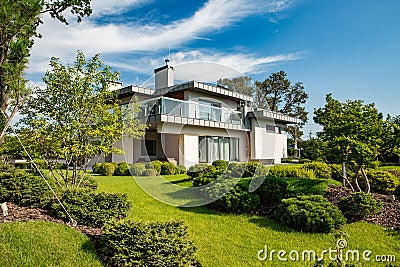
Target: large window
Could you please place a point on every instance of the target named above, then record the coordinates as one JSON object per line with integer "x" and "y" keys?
{"x": 213, "y": 147}
{"x": 149, "y": 148}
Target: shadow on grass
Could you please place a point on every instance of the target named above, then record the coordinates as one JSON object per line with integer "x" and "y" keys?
{"x": 89, "y": 248}
{"x": 180, "y": 181}
{"x": 271, "y": 224}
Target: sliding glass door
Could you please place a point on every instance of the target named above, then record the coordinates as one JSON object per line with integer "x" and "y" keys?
{"x": 213, "y": 147}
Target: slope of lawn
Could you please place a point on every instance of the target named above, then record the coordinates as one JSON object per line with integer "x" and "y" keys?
{"x": 234, "y": 240}
{"x": 44, "y": 244}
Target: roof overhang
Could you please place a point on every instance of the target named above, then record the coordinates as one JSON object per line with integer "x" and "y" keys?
{"x": 270, "y": 115}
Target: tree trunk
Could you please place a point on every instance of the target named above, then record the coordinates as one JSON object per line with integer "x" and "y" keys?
{"x": 368, "y": 189}
{"x": 344, "y": 173}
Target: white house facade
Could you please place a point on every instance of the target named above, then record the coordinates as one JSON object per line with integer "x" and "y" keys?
{"x": 196, "y": 122}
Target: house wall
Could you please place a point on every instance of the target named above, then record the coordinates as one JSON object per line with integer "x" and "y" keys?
{"x": 267, "y": 146}
{"x": 190, "y": 150}
{"x": 164, "y": 78}
{"x": 195, "y": 96}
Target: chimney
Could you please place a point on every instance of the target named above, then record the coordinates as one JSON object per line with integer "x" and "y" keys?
{"x": 164, "y": 76}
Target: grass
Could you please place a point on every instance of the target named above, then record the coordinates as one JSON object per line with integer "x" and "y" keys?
{"x": 234, "y": 240}
{"x": 388, "y": 168}
{"x": 44, "y": 244}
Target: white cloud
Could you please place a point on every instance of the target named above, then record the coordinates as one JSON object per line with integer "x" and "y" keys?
{"x": 63, "y": 41}
{"x": 106, "y": 7}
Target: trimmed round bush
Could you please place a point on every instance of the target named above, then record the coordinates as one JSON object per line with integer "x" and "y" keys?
{"x": 200, "y": 169}
{"x": 320, "y": 169}
{"x": 137, "y": 169}
{"x": 150, "y": 172}
{"x": 272, "y": 190}
{"x": 148, "y": 166}
{"x": 220, "y": 165}
{"x": 168, "y": 168}
{"x": 129, "y": 243}
{"x": 313, "y": 213}
{"x": 251, "y": 168}
{"x": 23, "y": 188}
{"x": 97, "y": 168}
{"x": 359, "y": 206}
{"x": 382, "y": 182}
{"x": 122, "y": 169}
{"x": 107, "y": 169}
{"x": 180, "y": 169}
{"x": 91, "y": 208}
{"x": 157, "y": 165}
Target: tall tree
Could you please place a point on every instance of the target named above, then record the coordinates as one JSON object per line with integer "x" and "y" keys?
{"x": 76, "y": 117}
{"x": 243, "y": 85}
{"x": 19, "y": 20}
{"x": 276, "y": 93}
{"x": 391, "y": 139}
{"x": 353, "y": 135}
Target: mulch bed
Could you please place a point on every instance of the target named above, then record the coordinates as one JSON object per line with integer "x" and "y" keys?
{"x": 21, "y": 214}
{"x": 390, "y": 217}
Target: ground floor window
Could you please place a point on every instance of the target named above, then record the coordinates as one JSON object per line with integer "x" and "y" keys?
{"x": 214, "y": 147}
{"x": 149, "y": 148}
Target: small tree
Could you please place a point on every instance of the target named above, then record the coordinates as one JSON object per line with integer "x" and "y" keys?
{"x": 76, "y": 117}
{"x": 243, "y": 85}
{"x": 352, "y": 132}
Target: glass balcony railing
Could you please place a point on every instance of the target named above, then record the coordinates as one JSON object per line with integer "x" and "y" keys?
{"x": 174, "y": 107}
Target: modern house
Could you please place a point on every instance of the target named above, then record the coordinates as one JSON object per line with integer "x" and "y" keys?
{"x": 196, "y": 122}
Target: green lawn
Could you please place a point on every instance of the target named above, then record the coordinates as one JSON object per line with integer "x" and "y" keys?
{"x": 234, "y": 240}
{"x": 44, "y": 244}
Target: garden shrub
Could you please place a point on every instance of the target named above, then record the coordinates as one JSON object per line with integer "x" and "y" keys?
{"x": 91, "y": 208}
{"x": 359, "y": 206}
{"x": 107, "y": 169}
{"x": 122, "y": 169}
{"x": 312, "y": 213}
{"x": 128, "y": 243}
{"x": 137, "y": 169}
{"x": 180, "y": 169}
{"x": 168, "y": 168}
{"x": 157, "y": 165}
{"x": 244, "y": 169}
{"x": 206, "y": 178}
{"x": 23, "y": 188}
{"x": 382, "y": 182}
{"x": 150, "y": 172}
{"x": 320, "y": 169}
{"x": 397, "y": 192}
{"x": 200, "y": 169}
{"x": 290, "y": 172}
{"x": 97, "y": 168}
{"x": 220, "y": 165}
{"x": 272, "y": 190}
{"x": 149, "y": 165}
{"x": 251, "y": 168}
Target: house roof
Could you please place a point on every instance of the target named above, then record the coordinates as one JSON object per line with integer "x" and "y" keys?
{"x": 267, "y": 114}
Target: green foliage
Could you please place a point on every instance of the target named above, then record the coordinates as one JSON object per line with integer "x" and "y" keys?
{"x": 97, "y": 168}
{"x": 242, "y": 85}
{"x": 122, "y": 169}
{"x": 23, "y": 188}
{"x": 244, "y": 169}
{"x": 313, "y": 149}
{"x": 220, "y": 165}
{"x": 150, "y": 172}
{"x": 200, "y": 169}
{"x": 90, "y": 208}
{"x": 320, "y": 169}
{"x": 107, "y": 169}
{"x": 137, "y": 169}
{"x": 180, "y": 169}
{"x": 168, "y": 168}
{"x": 312, "y": 213}
{"x": 157, "y": 165}
{"x": 272, "y": 190}
{"x": 397, "y": 192}
{"x": 129, "y": 243}
{"x": 382, "y": 182}
{"x": 56, "y": 122}
{"x": 359, "y": 206}
{"x": 290, "y": 172}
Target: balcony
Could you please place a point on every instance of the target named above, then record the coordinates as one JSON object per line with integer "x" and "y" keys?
{"x": 198, "y": 114}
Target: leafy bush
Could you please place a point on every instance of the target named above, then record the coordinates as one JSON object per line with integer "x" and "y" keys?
{"x": 200, "y": 169}
{"x": 290, "y": 172}
{"x": 251, "y": 168}
{"x": 320, "y": 169}
{"x": 382, "y": 182}
{"x": 107, "y": 169}
{"x": 180, "y": 169}
{"x": 235, "y": 200}
{"x": 97, "y": 168}
{"x": 91, "y": 208}
{"x": 244, "y": 169}
{"x": 272, "y": 190}
{"x": 311, "y": 213}
{"x": 23, "y": 188}
{"x": 150, "y": 172}
{"x": 137, "y": 169}
{"x": 220, "y": 165}
{"x": 122, "y": 169}
{"x": 128, "y": 243}
{"x": 397, "y": 192}
{"x": 360, "y": 205}
{"x": 157, "y": 165}
{"x": 149, "y": 165}
{"x": 168, "y": 168}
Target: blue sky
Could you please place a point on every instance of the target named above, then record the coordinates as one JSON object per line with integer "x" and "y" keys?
{"x": 348, "y": 48}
